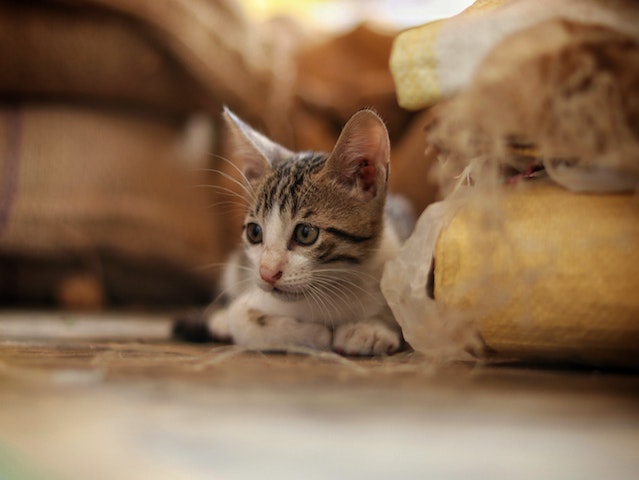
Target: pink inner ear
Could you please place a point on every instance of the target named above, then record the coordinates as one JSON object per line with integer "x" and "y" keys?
{"x": 367, "y": 173}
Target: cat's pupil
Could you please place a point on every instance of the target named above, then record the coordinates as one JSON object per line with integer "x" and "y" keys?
{"x": 306, "y": 234}
{"x": 254, "y": 233}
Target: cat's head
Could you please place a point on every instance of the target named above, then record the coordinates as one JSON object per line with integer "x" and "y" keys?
{"x": 312, "y": 217}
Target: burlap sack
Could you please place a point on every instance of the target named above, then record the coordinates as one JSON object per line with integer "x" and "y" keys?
{"x": 104, "y": 192}
{"x": 61, "y": 53}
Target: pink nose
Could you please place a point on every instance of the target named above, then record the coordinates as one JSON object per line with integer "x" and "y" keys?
{"x": 269, "y": 276}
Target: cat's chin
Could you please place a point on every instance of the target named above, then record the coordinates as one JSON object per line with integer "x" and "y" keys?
{"x": 284, "y": 295}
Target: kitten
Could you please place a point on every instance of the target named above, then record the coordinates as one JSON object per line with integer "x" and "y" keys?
{"x": 315, "y": 240}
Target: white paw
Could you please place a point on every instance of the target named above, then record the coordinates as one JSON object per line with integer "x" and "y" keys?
{"x": 262, "y": 331}
{"x": 366, "y": 338}
{"x": 219, "y": 327}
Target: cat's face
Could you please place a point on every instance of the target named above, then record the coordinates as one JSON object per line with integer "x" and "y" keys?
{"x": 314, "y": 219}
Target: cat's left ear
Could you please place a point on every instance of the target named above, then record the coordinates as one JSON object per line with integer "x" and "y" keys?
{"x": 256, "y": 152}
{"x": 361, "y": 157}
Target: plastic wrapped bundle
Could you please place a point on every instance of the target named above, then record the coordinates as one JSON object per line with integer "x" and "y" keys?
{"x": 529, "y": 269}
{"x": 533, "y": 271}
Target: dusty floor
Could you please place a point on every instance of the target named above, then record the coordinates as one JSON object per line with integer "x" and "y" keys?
{"x": 110, "y": 397}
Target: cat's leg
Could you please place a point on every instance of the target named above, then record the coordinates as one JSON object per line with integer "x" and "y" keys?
{"x": 248, "y": 326}
{"x": 370, "y": 337}
{"x": 265, "y": 332}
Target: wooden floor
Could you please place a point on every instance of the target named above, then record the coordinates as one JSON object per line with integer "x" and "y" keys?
{"x": 111, "y": 397}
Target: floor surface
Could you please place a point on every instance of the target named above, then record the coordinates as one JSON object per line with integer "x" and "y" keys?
{"x": 112, "y": 397}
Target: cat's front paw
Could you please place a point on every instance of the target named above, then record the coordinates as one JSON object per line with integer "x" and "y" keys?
{"x": 218, "y": 325}
{"x": 366, "y": 338}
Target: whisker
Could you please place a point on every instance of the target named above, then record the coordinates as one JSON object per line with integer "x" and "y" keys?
{"x": 229, "y": 202}
{"x": 226, "y": 208}
{"x": 323, "y": 305}
{"x": 326, "y": 301}
{"x": 246, "y": 185}
{"x": 356, "y": 273}
{"x": 333, "y": 287}
{"x": 223, "y": 190}
{"x": 211, "y": 265}
{"x": 249, "y": 191}
{"x": 316, "y": 299}
{"x": 248, "y": 281}
{"x": 344, "y": 282}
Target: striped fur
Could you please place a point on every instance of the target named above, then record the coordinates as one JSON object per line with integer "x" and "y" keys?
{"x": 301, "y": 195}
{"x": 315, "y": 244}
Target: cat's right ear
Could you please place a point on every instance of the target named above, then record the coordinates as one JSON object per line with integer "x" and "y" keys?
{"x": 256, "y": 153}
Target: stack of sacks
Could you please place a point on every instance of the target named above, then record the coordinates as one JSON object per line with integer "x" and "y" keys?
{"x": 106, "y": 129}
{"x": 535, "y": 119}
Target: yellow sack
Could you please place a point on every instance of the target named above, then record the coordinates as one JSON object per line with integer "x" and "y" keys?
{"x": 534, "y": 271}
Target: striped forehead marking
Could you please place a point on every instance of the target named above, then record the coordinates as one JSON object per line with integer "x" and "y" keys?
{"x": 287, "y": 185}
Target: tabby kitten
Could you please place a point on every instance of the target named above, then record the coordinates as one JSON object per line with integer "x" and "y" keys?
{"x": 315, "y": 243}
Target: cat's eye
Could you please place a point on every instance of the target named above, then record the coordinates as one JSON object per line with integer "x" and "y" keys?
{"x": 254, "y": 233}
{"x": 305, "y": 234}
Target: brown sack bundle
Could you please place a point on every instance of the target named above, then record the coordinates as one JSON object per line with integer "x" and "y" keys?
{"x": 104, "y": 196}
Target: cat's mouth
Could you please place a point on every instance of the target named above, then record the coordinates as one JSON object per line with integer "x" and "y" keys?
{"x": 281, "y": 294}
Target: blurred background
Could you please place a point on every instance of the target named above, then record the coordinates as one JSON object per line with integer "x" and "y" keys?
{"x": 335, "y": 15}
{"x": 110, "y": 131}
